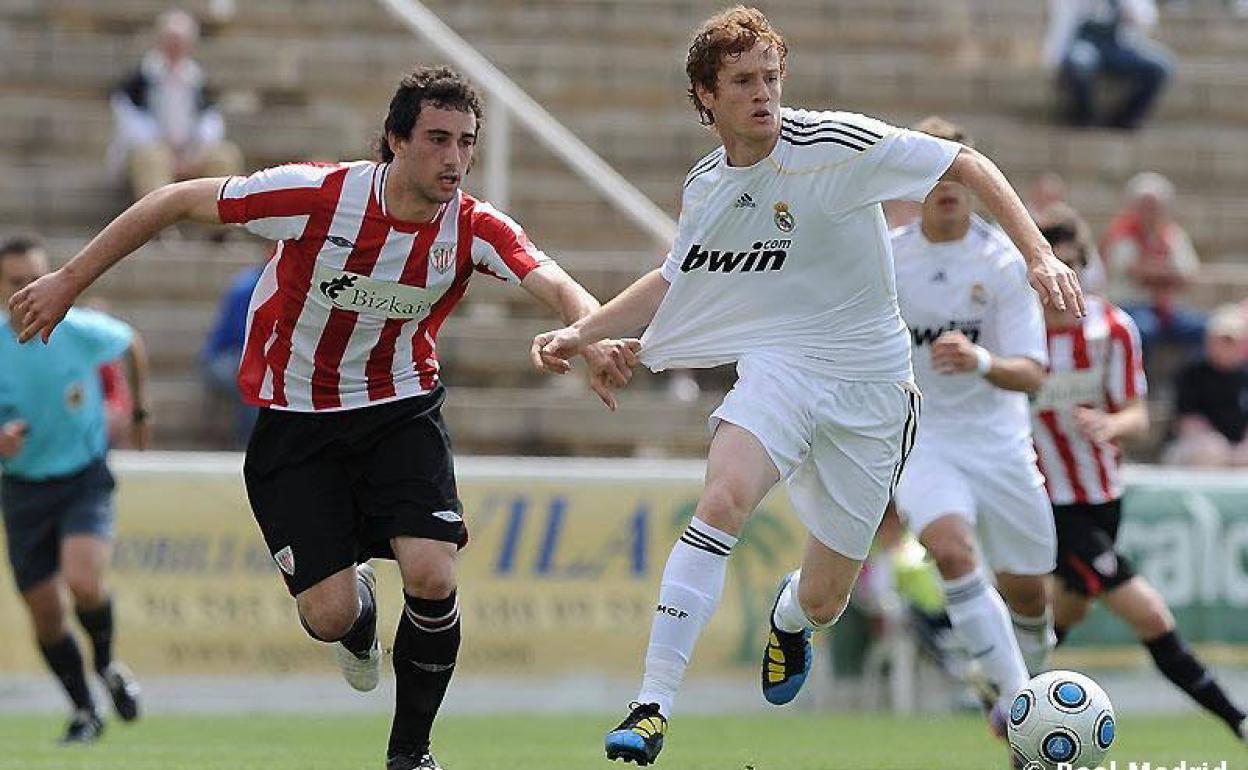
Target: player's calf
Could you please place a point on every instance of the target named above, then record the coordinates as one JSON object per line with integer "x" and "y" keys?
{"x": 359, "y": 651}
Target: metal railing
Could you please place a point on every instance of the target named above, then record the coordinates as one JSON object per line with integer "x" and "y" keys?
{"x": 507, "y": 101}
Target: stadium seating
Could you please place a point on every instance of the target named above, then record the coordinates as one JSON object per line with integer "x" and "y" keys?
{"x": 310, "y": 78}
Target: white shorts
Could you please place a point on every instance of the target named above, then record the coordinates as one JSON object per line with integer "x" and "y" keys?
{"x": 998, "y": 490}
{"x": 838, "y": 444}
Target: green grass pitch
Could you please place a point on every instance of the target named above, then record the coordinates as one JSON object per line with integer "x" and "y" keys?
{"x": 770, "y": 742}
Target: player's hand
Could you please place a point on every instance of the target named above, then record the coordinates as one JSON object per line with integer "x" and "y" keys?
{"x": 40, "y": 306}
{"x": 1094, "y": 424}
{"x": 611, "y": 364}
{"x": 551, "y": 351}
{"x": 954, "y": 353}
{"x": 12, "y": 438}
{"x": 1057, "y": 284}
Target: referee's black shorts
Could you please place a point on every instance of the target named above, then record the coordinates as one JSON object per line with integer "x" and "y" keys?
{"x": 1088, "y": 561}
{"x": 330, "y": 489}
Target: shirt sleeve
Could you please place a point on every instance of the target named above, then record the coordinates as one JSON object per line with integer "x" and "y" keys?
{"x": 99, "y": 337}
{"x": 899, "y": 165}
{"x": 1124, "y": 376}
{"x": 275, "y": 203}
{"x": 1019, "y": 317}
{"x": 500, "y": 246}
{"x": 684, "y": 237}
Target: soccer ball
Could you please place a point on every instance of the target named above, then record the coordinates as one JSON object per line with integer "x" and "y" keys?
{"x": 1061, "y": 720}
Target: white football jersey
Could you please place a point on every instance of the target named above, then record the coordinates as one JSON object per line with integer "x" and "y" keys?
{"x": 791, "y": 254}
{"x": 979, "y": 285}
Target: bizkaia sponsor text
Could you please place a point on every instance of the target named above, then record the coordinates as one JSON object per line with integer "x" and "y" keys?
{"x": 762, "y": 255}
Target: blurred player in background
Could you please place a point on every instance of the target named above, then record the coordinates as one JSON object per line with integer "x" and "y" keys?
{"x": 1095, "y": 396}
{"x": 781, "y": 263}
{"x": 56, "y": 492}
{"x": 350, "y": 458}
{"x": 971, "y": 490}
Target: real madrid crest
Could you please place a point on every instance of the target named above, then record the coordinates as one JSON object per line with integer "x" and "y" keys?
{"x": 443, "y": 256}
{"x": 979, "y": 295}
{"x": 784, "y": 218}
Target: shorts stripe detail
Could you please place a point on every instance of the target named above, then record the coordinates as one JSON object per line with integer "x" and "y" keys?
{"x": 908, "y": 432}
{"x": 1091, "y": 580}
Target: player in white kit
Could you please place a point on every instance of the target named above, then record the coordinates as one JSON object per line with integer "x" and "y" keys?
{"x": 979, "y": 348}
{"x": 781, "y": 263}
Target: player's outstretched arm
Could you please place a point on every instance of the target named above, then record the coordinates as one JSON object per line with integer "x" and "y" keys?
{"x": 1056, "y": 283}
{"x": 40, "y": 306}
{"x": 631, "y": 310}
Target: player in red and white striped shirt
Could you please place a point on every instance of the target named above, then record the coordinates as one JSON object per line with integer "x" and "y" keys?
{"x": 350, "y": 458}
{"x": 1093, "y": 397}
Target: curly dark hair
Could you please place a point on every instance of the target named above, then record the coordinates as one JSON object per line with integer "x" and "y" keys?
{"x": 438, "y": 86}
{"x": 727, "y": 33}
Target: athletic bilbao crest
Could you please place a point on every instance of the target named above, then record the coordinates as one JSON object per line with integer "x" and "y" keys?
{"x": 285, "y": 559}
{"x": 443, "y": 256}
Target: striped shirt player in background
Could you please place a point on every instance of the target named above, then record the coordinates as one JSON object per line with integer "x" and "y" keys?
{"x": 971, "y": 492}
{"x": 350, "y": 458}
{"x": 1093, "y": 398}
{"x": 781, "y": 263}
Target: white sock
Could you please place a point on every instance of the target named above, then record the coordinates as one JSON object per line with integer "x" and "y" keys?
{"x": 789, "y": 615}
{"x": 1035, "y": 639}
{"x": 693, "y": 582}
{"x": 980, "y": 617}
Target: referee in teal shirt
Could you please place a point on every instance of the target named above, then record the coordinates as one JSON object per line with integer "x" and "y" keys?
{"x": 56, "y": 492}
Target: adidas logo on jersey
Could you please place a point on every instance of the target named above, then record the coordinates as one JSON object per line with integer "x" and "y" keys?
{"x": 744, "y": 202}
{"x": 765, "y": 255}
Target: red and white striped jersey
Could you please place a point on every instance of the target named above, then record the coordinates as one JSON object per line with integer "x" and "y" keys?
{"x": 1096, "y": 364}
{"x": 347, "y": 311}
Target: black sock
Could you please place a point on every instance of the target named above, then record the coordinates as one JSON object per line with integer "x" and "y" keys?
{"x": 1179, "y": 665}
{"x": 425, "y": 649}
{"x": 66, "y": 662}
{"x": 359, "y": 640}
{"x": 98, "y": 623}
{"x": 1060, "y": 633}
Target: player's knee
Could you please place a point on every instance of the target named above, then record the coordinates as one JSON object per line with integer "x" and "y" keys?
{"x": 723, "y": 506}
{"x": 435, "y": 580}
{"x": 327, "y": 626}
{"x": 954, "y": 556}
{"x": 86, "y": 588}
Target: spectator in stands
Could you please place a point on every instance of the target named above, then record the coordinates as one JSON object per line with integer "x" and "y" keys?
{"x": 1090, "y": 38}
{"x": 222, "y": 351}
{"x": 1151, "y": 261}
{"x": 1211, "y": 398}
{"x": 165, "y": 127}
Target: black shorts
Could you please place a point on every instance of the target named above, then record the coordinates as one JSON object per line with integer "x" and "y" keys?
{"x": 1087, "y": 561}
{"x": 330, "y": 489}
{"x": 38, "y": 515}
